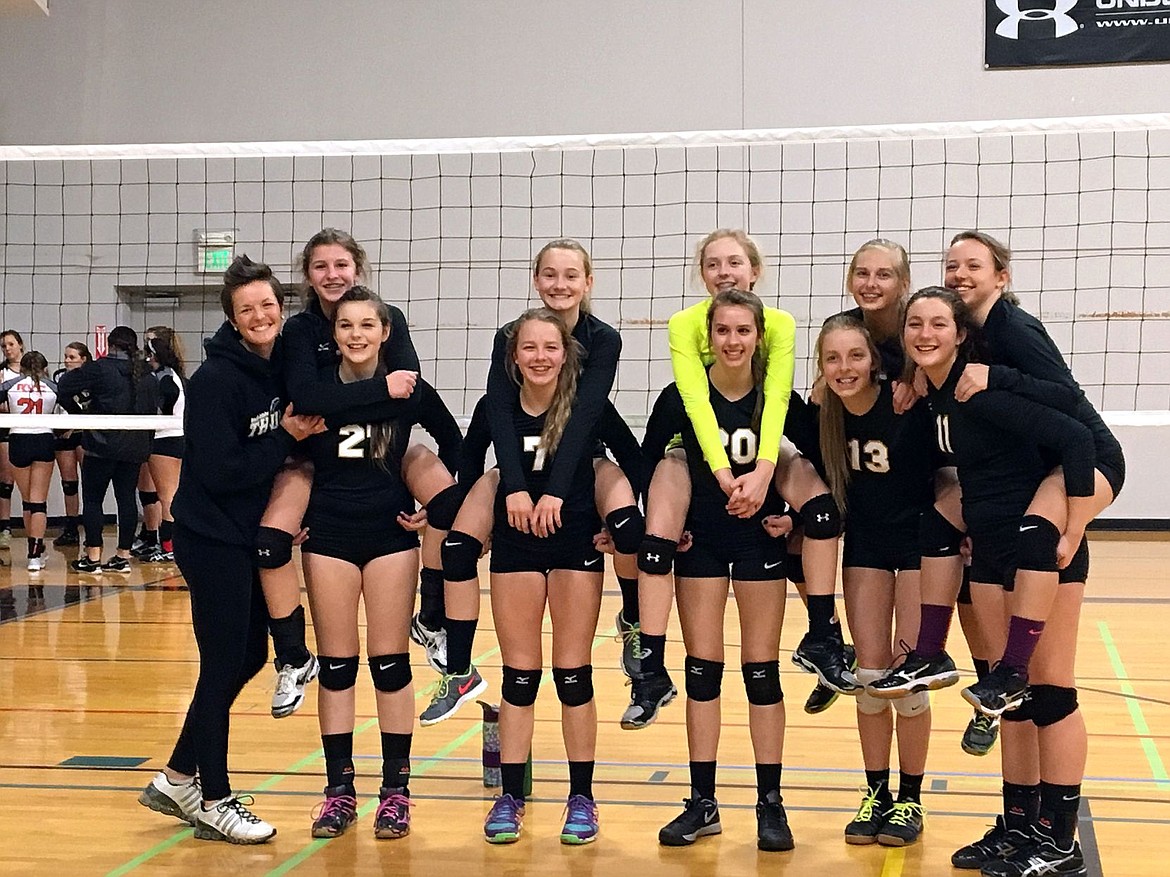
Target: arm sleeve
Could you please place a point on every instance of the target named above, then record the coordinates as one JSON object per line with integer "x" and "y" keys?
{"x": 780, "y": 344}
{"x": 1061, "y": 395}
{"x": 436, "y": 419}
{"x": 1044, "y": 426}
{"x": 666, "y": 421}
{"x": 690, "y": 376}
{"x": 502, "y": 399}
{"x": 168, "y": 394}
{"x": 226, "y": 458}
{"x": 473, "y": 458}
{"x": 400, "y": 352}
{"x": 308, "y": 392}
{"x": 592, "y": 398}
{"x": 615, "y": 432}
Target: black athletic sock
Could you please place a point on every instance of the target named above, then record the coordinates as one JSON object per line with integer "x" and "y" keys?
{"x": 581, "y": 778}
{"x": 512, "y": 777}
{"x": 288, "y": 639}
{"x": 767, "y": 779}
{"x": 338, "y": 760}
{"x": 460, "y": 638}
{"x": 910, "y": 787}
{"x": 396, "y": 761}
{"x": 1021, "y": 806}
{"x": 982, "y": 667}
{"x": 652, "y": 653}
{"x": 703, "y": 779}
{"x": 821, "y": 608}
{"x": 629, "y": 599}
{"x": 430, "y": 608}
{"x": 879, "y": 781}
{"x": 1059, "y": 811}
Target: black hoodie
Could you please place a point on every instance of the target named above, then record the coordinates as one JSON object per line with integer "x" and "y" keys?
{"x": 235, "y": 443}
{"x": 106, "y": 386}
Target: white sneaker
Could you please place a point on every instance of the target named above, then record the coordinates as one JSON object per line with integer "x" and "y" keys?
{"x": 5, "y": 538}
{"x": 36, "y": 564}
{"x": 232, "y": 821}
{"x": 290, "y": 687}
{"x": 434, "y": 641}
{"x": 180, "y": 800}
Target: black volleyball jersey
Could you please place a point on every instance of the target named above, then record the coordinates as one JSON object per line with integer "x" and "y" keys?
{"x": 579, "y": 519}
{"x": 707, "y": 518}
{"x": 891, "y": 462}
{"x": 890, "y": 349}
{"x": 996, "y": 439}
{"x": 355, "y": 490}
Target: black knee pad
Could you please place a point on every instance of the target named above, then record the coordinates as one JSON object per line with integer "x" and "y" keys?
{"x": 1051, "y": 703}
{"x": 6, "y": 490}
{"x": 338, "y": 674}
{"x": 761, "y": 680}
{"x": 574, "y": 684}
{"x": 36, "y": 508}
{"x": 519, "y": 687}
{"x": 273, "y": 548}
{"x": 938, "y": 537}
{"x": 461, "y": 553}
{"x": 69, "y": 488}
{"x": 147, "y": 497}
{"x": 626, "y": 528}
{"x": 444, "y": 506}
{"x": 822, "y": 518}
{"x": 1036, "y": 546}
{"x": 656, "y": 555}
{"x": 704, "y": 679}
{"x": 390, "y": 672}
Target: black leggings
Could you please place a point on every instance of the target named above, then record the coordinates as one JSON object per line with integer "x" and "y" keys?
{"x": 231, "y": 629}
{"x": 96, "y": 475}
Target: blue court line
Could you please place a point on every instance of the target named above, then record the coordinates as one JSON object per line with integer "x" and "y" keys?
{"x": 1149, "y": 747}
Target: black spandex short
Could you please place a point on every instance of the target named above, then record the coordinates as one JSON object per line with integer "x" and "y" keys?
{"x": 170, "y": 446}
{"x": 878, "y": 548}
{"x": 69, "y": 442}
{"x": 993, "y": 557}
{"x": 512, "y": 555}
{"x": 358, "y": 548}
{"x": 762, "y": 559}
{"x": 24, "y": 450}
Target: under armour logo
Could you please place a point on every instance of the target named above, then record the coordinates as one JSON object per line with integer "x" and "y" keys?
{"x": 822, "y": 517}
{"x": 264, "y": 552}
{"x": 1063, "y": 23}
{"x": 654, "y": 558}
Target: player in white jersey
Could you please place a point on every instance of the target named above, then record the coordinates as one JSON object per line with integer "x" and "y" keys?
{"x": 12, "y": 346}
{"x": 31, "y": 447}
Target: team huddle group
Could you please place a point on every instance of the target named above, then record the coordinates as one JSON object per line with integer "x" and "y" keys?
{"x": 944, "y": 453}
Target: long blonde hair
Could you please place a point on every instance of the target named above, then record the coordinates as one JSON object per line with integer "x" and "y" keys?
{"x": 557, "y": 416}
{"x": 751, "y": 301}
{"x": 832, "y": 414}
{"x": 573, "y": 246}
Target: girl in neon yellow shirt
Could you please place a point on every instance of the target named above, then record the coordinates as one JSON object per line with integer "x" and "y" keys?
{"x": 729, "y": 259}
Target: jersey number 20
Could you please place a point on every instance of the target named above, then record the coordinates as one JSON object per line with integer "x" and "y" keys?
{"x": 741, "y": 445}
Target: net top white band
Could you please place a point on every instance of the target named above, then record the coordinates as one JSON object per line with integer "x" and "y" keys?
{"x": 92, "y": 421}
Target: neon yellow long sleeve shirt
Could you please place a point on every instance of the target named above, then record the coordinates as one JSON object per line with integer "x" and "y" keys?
{"x": 690, "y": 354}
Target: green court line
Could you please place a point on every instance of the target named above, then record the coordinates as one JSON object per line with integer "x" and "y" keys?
{"x": 273, "y": 780}
{"x": 418, "y": 769}
{"x": 1149, "y": 747}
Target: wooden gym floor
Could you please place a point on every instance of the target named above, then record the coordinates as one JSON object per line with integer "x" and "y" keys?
{"x": 95, "y": 676}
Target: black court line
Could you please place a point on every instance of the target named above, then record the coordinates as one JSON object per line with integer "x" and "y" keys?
{"x": 1088, "y": 837}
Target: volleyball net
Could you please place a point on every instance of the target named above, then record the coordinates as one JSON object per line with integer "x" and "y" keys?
{"x": 94, "y": 237}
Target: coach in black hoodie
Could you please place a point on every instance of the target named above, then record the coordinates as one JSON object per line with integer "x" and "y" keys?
{"x": 238, "y": 432}
{"x": 120, "y": 383}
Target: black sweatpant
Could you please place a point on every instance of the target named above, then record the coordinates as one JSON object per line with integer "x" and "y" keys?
{"x": 231, "y": 629}
{"x": 96, "y": 475}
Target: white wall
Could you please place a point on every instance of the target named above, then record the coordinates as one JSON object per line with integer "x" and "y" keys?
{"x": 139, "y": 71}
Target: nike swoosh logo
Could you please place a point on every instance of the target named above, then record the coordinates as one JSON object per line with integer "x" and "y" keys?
{"x": 1071, "y": 797}
{"x": 337, "y": 666}
{"x": 451, "y": 544}
{"x": 1035, "y": 632}
{"x": 387, "y": 666}
{"x": 593, "y": 561}
{"x": 619, "y": 524}
{"x": 466, "y": 686}
{"x": 913, "y": 674}
{"x": 773, "y": 565}
{"x": 708, "y": 817}
{"x": 1029, "y": 527}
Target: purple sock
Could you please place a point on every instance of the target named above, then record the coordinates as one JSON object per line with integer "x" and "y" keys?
{"x": 1023, "y": 635}
{"x": 933, "y": 629}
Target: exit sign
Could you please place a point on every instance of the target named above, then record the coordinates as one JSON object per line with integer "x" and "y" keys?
{"x": 214, "y": 260}
{"x": 214, "y": 249}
